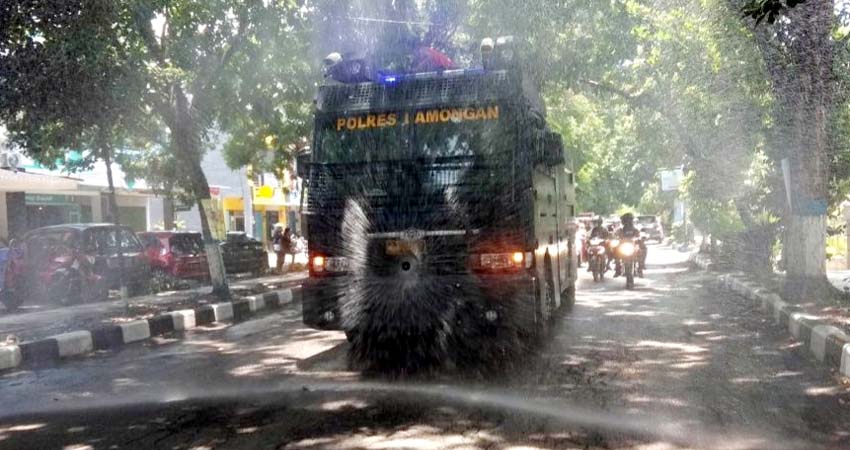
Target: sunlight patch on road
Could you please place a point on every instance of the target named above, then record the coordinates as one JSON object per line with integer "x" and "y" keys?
{"x": 823, "y": 390}
{"x": 637, "y": 313}
{"x": 25, "y": 427}
{"x": 661, "y": 400}
{"x": 78, "y": 447}
{"x": 682, "y": 347}
{"x": 745, "y": 380}
{"x": 343, "y": 404}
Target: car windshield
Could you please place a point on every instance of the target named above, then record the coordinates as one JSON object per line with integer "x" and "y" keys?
{"x": 107, "y": 240}
{"x": 372, "y": 224}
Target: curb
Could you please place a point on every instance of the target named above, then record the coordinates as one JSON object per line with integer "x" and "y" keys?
{"x": 702, "y": 261}
{"x": 825, "y": 342}
{"x": 81, "y": 342}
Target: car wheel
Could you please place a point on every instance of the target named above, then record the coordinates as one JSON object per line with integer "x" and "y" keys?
{"x": 10, "y": 300}
{"x": 65, "y": 289}
{"x": 139, "y": 288}
{"x": 160, "y": 281}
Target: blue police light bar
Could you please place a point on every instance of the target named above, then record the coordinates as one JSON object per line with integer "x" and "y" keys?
{"x": 392, "y": 79}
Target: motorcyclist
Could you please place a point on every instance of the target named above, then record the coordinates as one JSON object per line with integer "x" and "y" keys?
{"x": 598, "y": 231}
{"x": 629, "y": 231}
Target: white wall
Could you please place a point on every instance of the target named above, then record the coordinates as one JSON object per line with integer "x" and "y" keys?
{"x": 4, "y": 223}
{"x": 233, "y": 183}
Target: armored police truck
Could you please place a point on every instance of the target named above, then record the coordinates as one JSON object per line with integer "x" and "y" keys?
{"x": 439, "y": 213}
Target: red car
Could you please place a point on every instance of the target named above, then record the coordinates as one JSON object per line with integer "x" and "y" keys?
{"x": 67, "y": 264}
{"x": 177, "y": 254}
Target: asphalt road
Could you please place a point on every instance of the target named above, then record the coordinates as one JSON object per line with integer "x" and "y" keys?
{"x": 673, "y": 364}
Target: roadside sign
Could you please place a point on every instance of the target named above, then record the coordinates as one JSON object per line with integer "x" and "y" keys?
{"x": 671, "y": 179}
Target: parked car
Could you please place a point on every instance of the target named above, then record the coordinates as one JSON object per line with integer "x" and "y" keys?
{"x": 177, "y": 254}
{"x": 243, "y": 253}
{"x": 650, "y": 225}
{"x": 67, "y": 264}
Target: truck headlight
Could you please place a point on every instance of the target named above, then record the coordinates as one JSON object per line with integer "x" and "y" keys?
{"x": 333, "y": 264}
{"x": 318, "y": 264}
{"x": 501, "y": 261}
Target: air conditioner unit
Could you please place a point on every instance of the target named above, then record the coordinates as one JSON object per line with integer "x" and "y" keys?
{"x": 9, "y": 160}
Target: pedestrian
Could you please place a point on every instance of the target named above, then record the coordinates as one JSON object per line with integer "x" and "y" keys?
{"x": 278, "y": 247}
{"x": 288, "y": 245}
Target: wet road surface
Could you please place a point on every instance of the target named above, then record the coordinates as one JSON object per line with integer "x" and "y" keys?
{"x": 673, "y": 364}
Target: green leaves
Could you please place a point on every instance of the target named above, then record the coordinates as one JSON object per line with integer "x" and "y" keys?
{"x": 768, "y": 10}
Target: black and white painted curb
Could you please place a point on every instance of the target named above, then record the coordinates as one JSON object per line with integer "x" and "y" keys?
{"x": 826, "y": 343}
{"x": 76, "y": 343}
{"x": 701, "y": 261}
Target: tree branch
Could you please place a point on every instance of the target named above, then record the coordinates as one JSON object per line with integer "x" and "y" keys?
{"x": 143, "y": 17}
{"x": 202, "y": 85}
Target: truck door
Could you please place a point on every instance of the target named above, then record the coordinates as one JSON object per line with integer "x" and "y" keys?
{"x": 567, "y": 262}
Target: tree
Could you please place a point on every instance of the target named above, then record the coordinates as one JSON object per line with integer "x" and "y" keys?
{"x": 804, "y": 63}
{"x": 201, "y": 67}
{"x": 65, "y": 85}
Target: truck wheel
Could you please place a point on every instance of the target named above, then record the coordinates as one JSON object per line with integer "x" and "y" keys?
{"x": 568, "y": 297}
{"x": 11, "y": 301}
{"x": 550, "y": 303}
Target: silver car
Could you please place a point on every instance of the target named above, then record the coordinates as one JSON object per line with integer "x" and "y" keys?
{"x": 650, "y": 225}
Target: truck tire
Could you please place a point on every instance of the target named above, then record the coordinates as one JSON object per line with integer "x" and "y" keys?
{"x": 568, "y": 297}
{"x": 545, "y": 298}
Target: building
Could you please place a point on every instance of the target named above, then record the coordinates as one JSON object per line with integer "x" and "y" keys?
{"x": 243, "y": 204}
{"x": 33, "y": 196}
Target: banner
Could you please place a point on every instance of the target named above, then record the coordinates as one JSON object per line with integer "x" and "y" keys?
{"x": 215, "y": 217}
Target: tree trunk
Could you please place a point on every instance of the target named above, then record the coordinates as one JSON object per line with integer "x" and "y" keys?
{"x": 215, "y": 260}
{"x": 187, "y": 145}
{"x": 806, "y": 256}
{"x": 799, "y": 55}
{"x": 116, "y": 219}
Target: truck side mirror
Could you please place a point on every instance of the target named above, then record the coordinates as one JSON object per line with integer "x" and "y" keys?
{"x": 302, "y": 165}
{"x": 551, "y": 150}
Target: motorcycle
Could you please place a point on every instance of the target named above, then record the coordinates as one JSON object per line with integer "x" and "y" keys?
{"x": 628, "y": 253}
{"x": 597, "y": 258}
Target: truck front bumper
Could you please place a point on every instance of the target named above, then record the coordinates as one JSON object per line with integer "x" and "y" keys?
{"x": 492, "y": 298}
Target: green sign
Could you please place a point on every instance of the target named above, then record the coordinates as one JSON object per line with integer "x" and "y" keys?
{"x": 48, "y": 199}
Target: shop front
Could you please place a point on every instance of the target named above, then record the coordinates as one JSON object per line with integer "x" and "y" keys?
{"x": 270, "y": 208}
{"x": 55, "y": 209}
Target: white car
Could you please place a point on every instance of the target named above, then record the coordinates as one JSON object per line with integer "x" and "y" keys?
{"x": 650, "y": 225}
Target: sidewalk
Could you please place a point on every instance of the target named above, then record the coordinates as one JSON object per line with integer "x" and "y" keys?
{"x": 820, "y": 328}
{"x": 31, "y": 325}
{"x": 839, "y": 279}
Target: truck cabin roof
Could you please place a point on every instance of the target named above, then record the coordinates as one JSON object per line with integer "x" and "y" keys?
{"x": 447, "y": 88}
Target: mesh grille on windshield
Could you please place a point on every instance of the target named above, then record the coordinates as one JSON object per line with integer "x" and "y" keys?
{"x": 417, "y": 92}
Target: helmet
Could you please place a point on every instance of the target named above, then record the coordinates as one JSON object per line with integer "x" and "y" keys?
{"x": 597, "y": 221}
{"x": 627, "y": 218}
